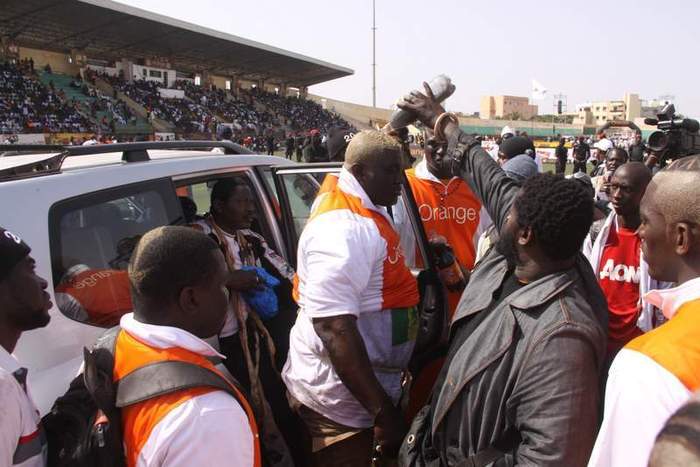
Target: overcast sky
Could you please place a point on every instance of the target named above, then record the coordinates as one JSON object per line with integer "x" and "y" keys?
{"x": 587, "y": 50}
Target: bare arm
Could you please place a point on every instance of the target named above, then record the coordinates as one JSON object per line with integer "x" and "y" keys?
{"x": 347, "y": 352}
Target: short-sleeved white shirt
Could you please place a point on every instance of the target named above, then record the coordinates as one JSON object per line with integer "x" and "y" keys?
{"x": 340, "y": 271}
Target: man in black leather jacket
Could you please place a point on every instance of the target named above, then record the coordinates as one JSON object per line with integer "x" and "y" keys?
{"x": 521, "y": 383}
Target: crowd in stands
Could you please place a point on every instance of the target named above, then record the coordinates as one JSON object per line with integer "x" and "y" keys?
{"x": 301, "y": 114}
{"x": 188, "y": 116}
{"x": 27, "y": 105}
{"x": 241, "y": 113}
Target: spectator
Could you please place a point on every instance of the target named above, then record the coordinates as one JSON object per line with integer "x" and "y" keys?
{"x": 28, "y": 106}
{"x": 270, "y": 143}
{"x": 615, "y": 254}
{"x": 561, "y": 155}
{"x": 25, "y": 306}
{"x": 654, "y": 374}
{"x": 514, "y": 146}
{"x": 314, "y": 151}
{"x": 243, "y": 337}
{"x": 637, "y": 148}
{"x": 582, "y": 152}
{"x": 289, "y": 147}
{"x": 614, "y": 158}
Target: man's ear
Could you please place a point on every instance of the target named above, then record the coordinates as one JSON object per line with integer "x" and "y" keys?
{"x": 189, "y": 300}
{"x": 525, "y": 236}
{"x": 685, "y": 237}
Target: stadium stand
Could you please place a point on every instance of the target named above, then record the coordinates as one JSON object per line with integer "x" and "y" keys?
{"x": 120, "y": 78}
{"x": 27, "y": 105}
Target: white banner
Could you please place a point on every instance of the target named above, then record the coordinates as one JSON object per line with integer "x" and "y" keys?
{"x": 35, "y": 138}
{"x": 171, "y": 93}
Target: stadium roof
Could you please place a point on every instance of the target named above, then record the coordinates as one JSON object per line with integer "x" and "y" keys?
{"x": 104, "y": 29}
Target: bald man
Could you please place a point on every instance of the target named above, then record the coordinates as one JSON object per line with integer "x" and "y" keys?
{"x": 654, "y": 374}
{"x": 614, "y": 252}
{"x": 356, "y": 326}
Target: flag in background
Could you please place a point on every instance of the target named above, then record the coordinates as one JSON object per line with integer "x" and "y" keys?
{"x": 539, "y": 92}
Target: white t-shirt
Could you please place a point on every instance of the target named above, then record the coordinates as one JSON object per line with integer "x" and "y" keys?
{"x": 340, "y": 271}
{"x": 22, "y": 442}
{"x": 210, "y": 430}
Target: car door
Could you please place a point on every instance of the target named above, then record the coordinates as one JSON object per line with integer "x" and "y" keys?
{"x": 298, "y": 186}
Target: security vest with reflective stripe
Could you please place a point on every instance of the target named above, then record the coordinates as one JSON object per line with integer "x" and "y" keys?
{"x": 139, "y": 420}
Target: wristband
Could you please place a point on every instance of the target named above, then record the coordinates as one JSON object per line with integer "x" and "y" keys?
{"x": 439, "y": 133}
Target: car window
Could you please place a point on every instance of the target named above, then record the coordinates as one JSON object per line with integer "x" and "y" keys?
{"x": 92, "y": 238}
{"x": 301, "y": 190}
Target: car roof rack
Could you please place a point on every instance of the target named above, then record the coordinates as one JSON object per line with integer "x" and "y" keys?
{"x": 131, "y": 152}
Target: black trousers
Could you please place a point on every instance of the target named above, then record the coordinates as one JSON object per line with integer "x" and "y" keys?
{"x": 579, "y": 166}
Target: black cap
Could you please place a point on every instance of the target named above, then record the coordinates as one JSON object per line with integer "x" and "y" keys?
{"x": 12, "y": 251}
{"x": 338, "y": 140}
{"x": 515, "y": 146}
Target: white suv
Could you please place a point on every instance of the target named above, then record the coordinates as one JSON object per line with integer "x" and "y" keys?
{"x": 88, "y": 205}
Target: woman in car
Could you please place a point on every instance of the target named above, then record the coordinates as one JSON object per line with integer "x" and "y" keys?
{"x": 254, "y": 342}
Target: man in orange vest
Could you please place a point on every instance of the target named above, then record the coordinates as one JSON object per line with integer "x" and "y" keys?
{"x": 656, "y": 373}
{"x": 449, "y": 211}
{"x": 180, "y": 290}
{"x": 357, "y": 322}
{"x": 447, "y": 206}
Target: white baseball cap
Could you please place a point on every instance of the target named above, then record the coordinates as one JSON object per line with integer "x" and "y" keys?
{"x": 604, "y": 145}
{"x": 506, "y": 130}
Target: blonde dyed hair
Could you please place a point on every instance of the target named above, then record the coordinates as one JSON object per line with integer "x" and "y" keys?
{"x": 368, "y": 145}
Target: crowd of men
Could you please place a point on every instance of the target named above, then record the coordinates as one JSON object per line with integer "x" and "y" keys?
{"x": 29, "y": 106}
{"x": 26, "y": 105}
{"x": 573, "y": 337}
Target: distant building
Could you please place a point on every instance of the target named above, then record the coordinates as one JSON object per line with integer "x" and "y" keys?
{"x": 599, "y": 113}
{"x": 513, "y": 107}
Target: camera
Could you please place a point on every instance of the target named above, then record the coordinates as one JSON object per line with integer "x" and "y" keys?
{"x": 675, "y": 137}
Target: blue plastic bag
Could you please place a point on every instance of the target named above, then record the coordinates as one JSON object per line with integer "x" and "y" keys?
{"x": 262, "y": 299}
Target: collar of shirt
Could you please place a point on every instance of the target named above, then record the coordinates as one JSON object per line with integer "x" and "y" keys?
{"x": 349, "y": 184}
{"x": 164, "y": 337}
{"x": 423, "y": 173}
{"x": 669, "y": 301}
{"x": 8, "y": 362}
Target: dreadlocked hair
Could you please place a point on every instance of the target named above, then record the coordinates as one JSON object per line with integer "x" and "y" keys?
{"x": 559, "y": 212}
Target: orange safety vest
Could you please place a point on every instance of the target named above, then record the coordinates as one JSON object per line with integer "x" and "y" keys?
{"x": 329, "y": 183}
{"x": 139, "y": 420}
{"x": 400, "y": 289}
{"x": 104, "y": 294}
{"x": 675, "y": 345}
{"x": 453, "y": 213}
